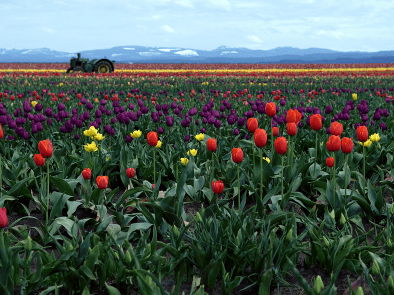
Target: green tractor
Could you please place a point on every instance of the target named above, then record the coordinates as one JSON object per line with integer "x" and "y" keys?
{"x": 83, "y": 65}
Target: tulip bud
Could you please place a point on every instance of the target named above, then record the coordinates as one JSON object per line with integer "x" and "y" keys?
{"x": 332, "y": 214}
{"x": 392, "y": 209}
{"x": 390, "y": 285}
{"x": 389, "y": 243}
{"x": 360, "y": 291}
{"x": 318, "y": 285}
{"x": 175, "y": 230}
{"x": 28, "y": 244}
{"x": 326, "y": 243}
{"x": 148, "y": 248}
{"x": 342, "y": 220}
{"x": 198, "y": 218}
{"x": 237, "y": 242}
{"x": 375, "y": 268}
{"x": 116, "y": 255}
{"x": 69, "y": 247}
{"x": 289, "y": 235}
{"x": 127, "y": 257}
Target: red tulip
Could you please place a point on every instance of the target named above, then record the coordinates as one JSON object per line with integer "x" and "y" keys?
{"x": 270, "y": 109}
{"x": 102, "y": 182}
{"x": 316, "y": 122}
{"x": 3, "y": 217}
{"x": 275, "y": 131}
{"x": 362, "y": 133}
{"x": 330, "y": 162}
{"x": 152, "y": 138}
{"x": 1, "y": 131}
{"x": 217, "y": 187}
{"x": 347, "y": 145}
{"x": 291, "y": 116}
{"x": 211, "y": 144}
{"x": 86, "y": 173}
{"x": 46, "y": 148}
{"x": 237, "y": 155}
{"x": 334, "y": 143}
{"x": 336, "y": 128}
{"x": 252, "y": 124}
{"x": 130, "y": 172}
{"x": 291, "y": 129}
{"x": 39, "y": 160}
{"x": 260, "y": 138}
{"x": 281, "y": 145}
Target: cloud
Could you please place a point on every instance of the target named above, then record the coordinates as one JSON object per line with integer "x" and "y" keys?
{"x": 167, "y": 28}
{"x": 255, "y": 39}
{"x": 221, "y": 3}
{"x": 48, "y": 30}
{"x": 185, "y": 3}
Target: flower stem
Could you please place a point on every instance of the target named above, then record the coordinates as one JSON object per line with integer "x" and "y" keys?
{"x": 253, "y": 153}
{"x": 239, "y": 191}
{"x": 364, "y": 169}
{"x": 345, "y": 173}
{"x": 47, "y": 192}
{"x": 261, "y": 175}
{"x": 314, "y": 169}
{"x": 334, "y": 183}
{"x": 154, "y": 166}
{"x": 282, "y": 178}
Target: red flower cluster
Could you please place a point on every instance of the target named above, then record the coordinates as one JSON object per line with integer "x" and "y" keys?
{"x": 152, "y": 138}
{"x": 86, "y": 173}
{"x": 237, "y": 155}
{"x": 260, "y": 138}
{"x": 281, "y": 145}
{"x": 252, "y": 124}
{"x": 102, "y": 182}
{"x": 211, "y": 144}
{"x": 334, "y": 143}
{"x": 130, "y": 172}
{"x": 217, "y": 187}
{"x": 316, "y": 122}
{"x": 362, "y": 133}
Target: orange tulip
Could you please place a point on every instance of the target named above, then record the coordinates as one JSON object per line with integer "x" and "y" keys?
{"x": 102, "y": 182}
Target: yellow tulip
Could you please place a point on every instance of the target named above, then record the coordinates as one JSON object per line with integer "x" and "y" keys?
{"x": 91, "y": 132}
{"x": 33, "y": 103}
{"x": 267, "y": 159}
{"x": 193, "y": 152}
{"x": 184, "y": 161}
{"x": 136, "y": 134}
{"x": 158, "y": 144}
{"x": 375, "y": 137}
{"x": 354, "y": 95}
{"x": 367, "y": 143}
{"x": 92, "y": 147}
{"x": 200, "y": 136}
{"x": 99, "y": 137}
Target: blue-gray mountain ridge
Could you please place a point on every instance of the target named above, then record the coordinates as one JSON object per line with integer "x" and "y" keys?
{"x": 222, "y": 54}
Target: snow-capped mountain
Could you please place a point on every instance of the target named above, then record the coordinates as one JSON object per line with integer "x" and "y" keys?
{"x": 222, "y": 54}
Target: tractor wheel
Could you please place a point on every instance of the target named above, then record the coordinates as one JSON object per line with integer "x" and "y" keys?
{"x": 103, "y": 67}
{"x": 68, "y": 70}
{"x": 78, "y": 69}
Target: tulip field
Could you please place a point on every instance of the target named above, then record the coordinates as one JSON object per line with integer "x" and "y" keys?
{"x": 197, "y": 179}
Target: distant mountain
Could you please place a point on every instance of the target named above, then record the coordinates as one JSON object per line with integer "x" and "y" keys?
{"x": 222, "y": 54}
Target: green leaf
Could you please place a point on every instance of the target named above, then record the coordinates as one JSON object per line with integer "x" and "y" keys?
{"x": 62, "y": 186}
{"x": 112, "y": 290}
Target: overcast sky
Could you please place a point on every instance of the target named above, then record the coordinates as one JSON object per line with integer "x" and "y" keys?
{"x": 77, "y": 25}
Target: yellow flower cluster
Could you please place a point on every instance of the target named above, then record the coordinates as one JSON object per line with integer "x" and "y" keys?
{"x": 193, "y": 152}
{"x": 184, "y": 161}
{"x": 91, "y": 147}
{"x": 375, "y": 137}
{"x": 136, "y": 134}
{"x": 367, "y": 143}
{"x": 200, "y": 136}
